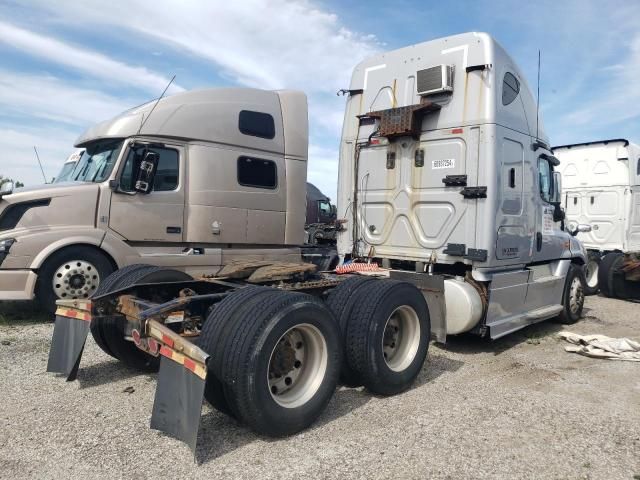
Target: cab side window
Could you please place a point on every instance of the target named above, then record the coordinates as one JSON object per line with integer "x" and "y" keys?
{"x": 324, "y": 207}
{"x": 544, "y": 180}
{"x": 167, "y": 174}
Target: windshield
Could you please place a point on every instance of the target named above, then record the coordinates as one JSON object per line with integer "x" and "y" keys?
{"x": 65, "y": 173}
{"x": 96, "y": 162}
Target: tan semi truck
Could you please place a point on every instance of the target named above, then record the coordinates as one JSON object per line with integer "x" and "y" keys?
{"x": 220, "y": 192}
{"x": 446, "y": 190}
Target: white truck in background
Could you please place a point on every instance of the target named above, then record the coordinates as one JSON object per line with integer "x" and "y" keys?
{"x": 69, "y": 165}
{"x": 445, "y": 189}
{"x": 601, "y": 187}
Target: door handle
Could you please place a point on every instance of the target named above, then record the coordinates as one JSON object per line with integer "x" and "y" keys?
{"x": 539, "y": 241}
{"x": 174, "y": 229}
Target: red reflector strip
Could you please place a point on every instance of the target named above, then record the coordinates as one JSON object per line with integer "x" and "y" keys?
{"x": 70, "y": 313}
{"x": 197, "y": 368}
{"x": 167, "y": 352}
{"x": 457, "y": 130}
{"x": 190, "y": 364}
{"x": 166, "y": 339}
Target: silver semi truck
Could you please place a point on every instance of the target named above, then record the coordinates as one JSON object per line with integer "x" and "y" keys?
{"x": 446, "y": 191}
{"x": 601, "y": 187}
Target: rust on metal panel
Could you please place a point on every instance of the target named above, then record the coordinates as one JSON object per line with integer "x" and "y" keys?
{"x": 403, "y": 121}
{"x": 631, "y": 267}
{"x": 78, "y": 309}
{"x": 130, "y": 306}
{"x": 261, "y": 271}
{"x": 280, "y": 271}
{"x": 178, "y": 349}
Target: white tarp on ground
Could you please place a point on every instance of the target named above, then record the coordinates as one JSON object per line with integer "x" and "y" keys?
{"x": 601, "y": 346}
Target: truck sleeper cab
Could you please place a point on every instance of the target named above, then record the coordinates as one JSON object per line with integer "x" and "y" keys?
{"x": 230, "y": 164}
{"x": 444, "y": 170}
{"x": 601, "y": 187}
{"x": 441, "y": 181}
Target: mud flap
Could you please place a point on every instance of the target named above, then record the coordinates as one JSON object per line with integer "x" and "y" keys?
{"x": 67, "y": 344}
{"x": 178, "y": 402}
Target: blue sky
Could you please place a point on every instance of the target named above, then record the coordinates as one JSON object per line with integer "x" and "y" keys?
{"x": 66, "y": 65}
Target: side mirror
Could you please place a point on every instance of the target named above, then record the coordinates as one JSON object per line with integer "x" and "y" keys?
{"x": 556, "y": 195}
{"x": 147, "y": 172}
{"x": 558, "y": 213}
{"x": 6, "y": 189}
{"x": 580, "y": 228}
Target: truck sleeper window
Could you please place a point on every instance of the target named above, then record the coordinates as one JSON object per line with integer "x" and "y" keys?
{"x": 166, "y": 178}
{"x": 256, "y": 124}
{"x": 257, "y": 172}
{"x": 510, "y": 88}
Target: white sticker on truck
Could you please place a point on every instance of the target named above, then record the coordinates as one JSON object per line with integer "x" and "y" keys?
{"x": 444, "y": 163}
{"x": 547, "y": 220}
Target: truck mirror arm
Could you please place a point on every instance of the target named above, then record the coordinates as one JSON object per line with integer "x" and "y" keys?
{"x": 114, "y": 185}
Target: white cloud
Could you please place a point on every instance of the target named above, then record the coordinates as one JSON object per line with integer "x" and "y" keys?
{"x": 261, "y": 44}
{"x": 91, "y": 63}
{"x": 50, "y": 98}
{"x": 613, "y": 101}
{"x": 275, "y": 44}
{"x": 18, "y": 159}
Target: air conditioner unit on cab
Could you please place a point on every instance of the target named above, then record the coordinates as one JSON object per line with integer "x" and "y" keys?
{"x": 436, "y": 79}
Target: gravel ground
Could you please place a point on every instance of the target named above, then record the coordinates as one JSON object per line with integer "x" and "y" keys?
{"x": 519, "y": 407}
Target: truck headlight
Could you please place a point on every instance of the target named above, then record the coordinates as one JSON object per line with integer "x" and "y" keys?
{"x": 5, "y": 245}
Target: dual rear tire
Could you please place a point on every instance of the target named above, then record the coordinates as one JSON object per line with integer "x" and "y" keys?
{"x": 276, "y": 356}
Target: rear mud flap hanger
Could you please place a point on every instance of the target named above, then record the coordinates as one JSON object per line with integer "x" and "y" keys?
{"x": 179, "y": 395}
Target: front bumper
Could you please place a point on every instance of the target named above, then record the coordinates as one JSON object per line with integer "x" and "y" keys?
{"x": 17, "y": 284}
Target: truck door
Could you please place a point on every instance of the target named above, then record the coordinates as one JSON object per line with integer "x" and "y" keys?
{"x": 547, "y": 243}
{"x": 158, "y": 215}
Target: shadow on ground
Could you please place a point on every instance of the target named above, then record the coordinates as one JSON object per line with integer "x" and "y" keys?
{"x": 106, "y": 372}
{"x": 23, "y": 312}
{"x": 212, "y": 444}
{"x": 472, "y": 344}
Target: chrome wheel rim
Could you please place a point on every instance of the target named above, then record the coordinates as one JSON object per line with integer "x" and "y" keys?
{"x": 75, "y": 279}
{"x": 401, "y": 338}
{"x": 576, "y": 295}
{"x": 592, "y": 273}
{"x": 297, "y": 366}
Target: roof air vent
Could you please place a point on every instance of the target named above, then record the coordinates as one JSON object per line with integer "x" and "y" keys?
{"x": 435, "y": 80}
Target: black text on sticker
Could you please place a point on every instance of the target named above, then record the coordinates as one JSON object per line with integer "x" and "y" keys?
{"x": 444, "y": 163}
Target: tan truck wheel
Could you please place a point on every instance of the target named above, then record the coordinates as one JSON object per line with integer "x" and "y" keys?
{"x": 71, "y": 273}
